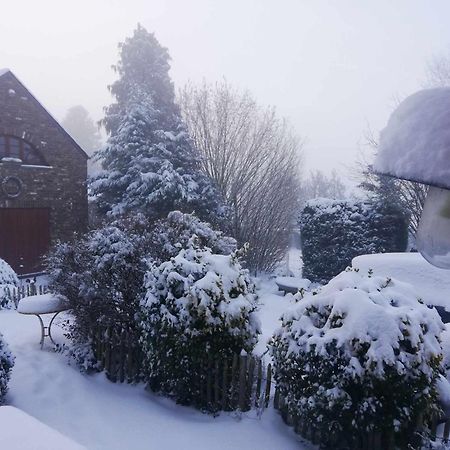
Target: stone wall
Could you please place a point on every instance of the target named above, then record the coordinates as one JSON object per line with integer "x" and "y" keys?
{"x": 61, "y": 186}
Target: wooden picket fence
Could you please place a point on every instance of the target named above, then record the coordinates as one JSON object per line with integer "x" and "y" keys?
{"x": 241, "y": 383}
{"x": 438, "y": 430}
{"x": 17, "y": 293}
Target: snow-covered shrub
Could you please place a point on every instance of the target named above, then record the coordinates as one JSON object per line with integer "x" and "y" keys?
{"x": 102, "y": 276}
{"x": 173, "y": 233}
{"x": 6, "y": 365}
{"x": 362, "y": 354}
{"x": 196, "y": 304}
{"x": 8, "y": 281}
{"x": 333, "y": 232}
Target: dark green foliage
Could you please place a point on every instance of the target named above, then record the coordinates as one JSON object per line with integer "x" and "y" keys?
{"x": 6, "y": 365}
{"x": 199, "y": 307}
{"x": 333, "y": 232}
{"x": 102, "y": 276}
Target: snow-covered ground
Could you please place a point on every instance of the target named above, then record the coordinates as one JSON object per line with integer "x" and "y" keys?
{"x": 101, "y": 415}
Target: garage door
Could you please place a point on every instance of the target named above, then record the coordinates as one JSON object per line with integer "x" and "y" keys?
{"x": 24, "y": 237}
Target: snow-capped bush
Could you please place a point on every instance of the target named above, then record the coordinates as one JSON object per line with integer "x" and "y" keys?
{"x": 333, "y": 232}
{"x": 102, "y": 276}
{"x": 6, "y": 365}
{"x": 8, "y": 281}
{"x": 198, "y": 303}
{"x": 173, "y": 233}
{"x": 362, "y": 354}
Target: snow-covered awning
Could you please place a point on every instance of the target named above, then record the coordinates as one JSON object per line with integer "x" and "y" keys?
{"x": 415, "y": 145}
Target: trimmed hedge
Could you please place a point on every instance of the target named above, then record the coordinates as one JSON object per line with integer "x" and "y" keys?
{"x": 333, "y": 232}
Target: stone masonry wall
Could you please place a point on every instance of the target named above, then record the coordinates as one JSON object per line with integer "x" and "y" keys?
{"x": 60, "y": 187}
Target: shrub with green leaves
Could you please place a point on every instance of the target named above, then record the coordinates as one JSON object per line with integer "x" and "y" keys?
{"x": 6, "y": 365}
{"x": 197, "y": 304}
{"x": 360, "y": 355}
{"x": 333, "y": 232}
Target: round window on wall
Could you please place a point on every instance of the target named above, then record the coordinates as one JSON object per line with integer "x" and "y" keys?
{"x": 12, "y": 187}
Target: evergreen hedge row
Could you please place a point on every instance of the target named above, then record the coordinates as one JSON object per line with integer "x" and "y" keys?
{"x": 333, "y": 232}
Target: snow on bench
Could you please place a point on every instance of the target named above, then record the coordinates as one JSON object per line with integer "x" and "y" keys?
{"x": 292, "y": 284}
{"x": 20, "y": 431}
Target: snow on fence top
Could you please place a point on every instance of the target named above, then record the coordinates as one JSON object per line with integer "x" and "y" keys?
{"x": 415, "y": 145}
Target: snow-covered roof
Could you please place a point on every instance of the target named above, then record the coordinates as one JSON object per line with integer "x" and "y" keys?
{"x": 415, "y": 145}
{"x": 3, "y": 71}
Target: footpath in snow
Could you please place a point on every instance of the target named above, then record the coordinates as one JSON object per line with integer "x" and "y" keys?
{"x": 102, "y": 415}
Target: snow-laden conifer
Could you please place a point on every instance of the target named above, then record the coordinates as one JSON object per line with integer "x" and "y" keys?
{"x": 149, "y": 162}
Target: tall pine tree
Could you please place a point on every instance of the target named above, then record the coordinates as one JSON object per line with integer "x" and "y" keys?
{"x": 149, "y": 163}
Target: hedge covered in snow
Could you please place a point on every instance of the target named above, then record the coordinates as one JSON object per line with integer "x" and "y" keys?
{"x": 6, "y": 365}
{"x": 8, "y": 281}
{"x": 196, "y": 304}
{"x": 333, "y": 232}
{"x": 362, "y": 354}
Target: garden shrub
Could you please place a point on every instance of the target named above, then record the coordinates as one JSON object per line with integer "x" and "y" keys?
{"x": 6, "y": 365}
{"x": 102, "y": 273}
{"x": 362, "y": 354}
{"x": 333, "y": 232}
{"x": 8, "y": 281}
{"x": 197, "y": 304}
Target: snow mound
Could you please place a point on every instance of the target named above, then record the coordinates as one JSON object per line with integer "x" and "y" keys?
{"x": 21, "y": 431}
{"x": 430, "y": 283}
{"x": 374, "y": 316}
{"x": 415, "y": 145}
{"x": 42, "y": 304}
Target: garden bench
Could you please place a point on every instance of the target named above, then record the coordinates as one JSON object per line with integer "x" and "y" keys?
{"x": 39, "y": 305}
{"x": 292, "y": 284}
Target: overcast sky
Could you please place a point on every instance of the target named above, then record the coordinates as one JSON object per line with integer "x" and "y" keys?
{"x": 330, "y": 67}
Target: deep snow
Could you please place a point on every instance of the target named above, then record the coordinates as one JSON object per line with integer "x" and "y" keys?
{"x": 102, "y": 415}
{"x": 431, "y": 283}
{"x": 415, "y": 144}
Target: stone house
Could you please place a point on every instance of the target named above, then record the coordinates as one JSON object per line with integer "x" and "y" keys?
{"x": 43, "y": 174}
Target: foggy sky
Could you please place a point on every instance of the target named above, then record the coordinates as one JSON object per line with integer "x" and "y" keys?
{"x": 330, "y": 67}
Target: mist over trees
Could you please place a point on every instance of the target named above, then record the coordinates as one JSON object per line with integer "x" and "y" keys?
{"x": 318, "y": 184}
{"x": 83, "y": 129}
{"x": 254, "y": 158}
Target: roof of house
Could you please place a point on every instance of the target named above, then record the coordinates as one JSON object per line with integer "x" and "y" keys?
{"x": 5, "y": 71}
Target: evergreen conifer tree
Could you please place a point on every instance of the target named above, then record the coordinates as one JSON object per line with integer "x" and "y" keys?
{"x": 149, "y": 163}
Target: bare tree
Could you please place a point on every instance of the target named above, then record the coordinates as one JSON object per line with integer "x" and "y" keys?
{"x": 318, "y": 184}
{"x": 410, "y": 195}
{"x": 254, "y": 157}
{"x": 438, "y": 71}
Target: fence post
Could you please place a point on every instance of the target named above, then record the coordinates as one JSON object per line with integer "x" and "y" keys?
{"x": 233, "y": 382}
{"x": 268, "y": 384}
{"x": 242, "y": 375}
{"x": 225, "y": 390}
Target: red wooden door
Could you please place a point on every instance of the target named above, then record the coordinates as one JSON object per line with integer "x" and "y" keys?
{"x": 24, "y": 237}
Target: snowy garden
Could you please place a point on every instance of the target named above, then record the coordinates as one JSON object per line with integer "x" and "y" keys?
{"x": 184, "y": 319}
